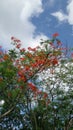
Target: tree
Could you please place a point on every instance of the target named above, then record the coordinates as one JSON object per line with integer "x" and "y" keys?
{"x": 57, "y": 81}
{"x": 58, "y": 114}
{"x": 20, "y": 87}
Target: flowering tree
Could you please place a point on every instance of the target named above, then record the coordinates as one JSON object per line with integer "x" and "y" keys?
{"x": 20, "y": 70}
{"x": 57, "y": 81}
{"x": 58, "y": 114}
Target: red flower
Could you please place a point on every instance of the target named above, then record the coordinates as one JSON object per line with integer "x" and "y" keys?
{"x": 18, "y": 45}
{"x": 51, "y": 43}
{"x": 12, "y": 38}
{"x": 22, "y": 50}
{"x": 27, "y": 68}
{"x": 32, "y": 87}
{"x": 59, "y": 43}
{"x": 55, "y": 61}
{"x": 45, "y": 95}
{"x": 15, "y": 39}
{"x": 31, "y": 49}
{"x": 22, "y": 59}
{"x": 55, "y": 34}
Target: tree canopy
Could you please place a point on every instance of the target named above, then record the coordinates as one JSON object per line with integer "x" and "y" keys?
{"x": 36, "y": 86}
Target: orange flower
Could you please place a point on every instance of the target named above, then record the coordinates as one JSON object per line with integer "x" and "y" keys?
{"x": 29, "y": 55}
{"x": 55, "y": 34}
{"x": 5, "y": 57}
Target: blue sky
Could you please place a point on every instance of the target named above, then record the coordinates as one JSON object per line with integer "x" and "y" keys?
{"x": 31, "y": 20}
{"x": 50, "y": 24}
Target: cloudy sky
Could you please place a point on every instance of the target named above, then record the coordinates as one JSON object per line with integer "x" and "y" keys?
{"x": 31, "y": 20}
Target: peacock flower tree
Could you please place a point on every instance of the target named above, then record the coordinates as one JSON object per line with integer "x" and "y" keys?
{"x": 29, "y": 82}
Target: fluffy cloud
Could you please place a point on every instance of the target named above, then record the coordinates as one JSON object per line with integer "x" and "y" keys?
{"x": 31, "y": 9}
{"x": 15, "y": 20}
{"x": 60, "y": 16}
{"x": 70, "y": 12}
{"x": 65, "y": 17}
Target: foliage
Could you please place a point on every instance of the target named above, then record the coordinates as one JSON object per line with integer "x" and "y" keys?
{"x": 36, "y": 87}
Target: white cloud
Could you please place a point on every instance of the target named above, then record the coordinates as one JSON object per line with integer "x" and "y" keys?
{"x": 31, "y": 9}
{"x": 65, "y": 17}
{"x": 60, "y": 16}
{"x": 15, "y": 20}
{"x": 70, "y": 12}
